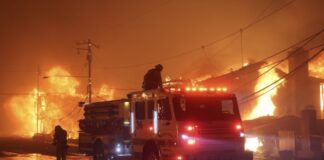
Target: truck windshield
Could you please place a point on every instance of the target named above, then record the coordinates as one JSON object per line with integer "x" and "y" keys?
{"x": 203, "y": 108}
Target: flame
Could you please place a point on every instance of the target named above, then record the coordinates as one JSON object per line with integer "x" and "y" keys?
{"x": 57, "y": 107}
{"x": 61, "y": 81}
{"x": 265, "y": 106}
{"x": 316, "y": 67}
{"x": 106, "y": 93}
{"x": 167, "y": 79}
{"x": 203, "y": 78}
{"x": 246, "y": 64}
{"x": 252, "y": 144}
{"x": 25, "y": 113}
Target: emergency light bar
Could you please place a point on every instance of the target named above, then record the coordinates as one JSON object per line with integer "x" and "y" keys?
{"x": 197, "y": 89}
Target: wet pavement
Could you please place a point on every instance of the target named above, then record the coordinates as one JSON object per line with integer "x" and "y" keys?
{"x": 13, "y": 148}
{"x": 36, "y": 156}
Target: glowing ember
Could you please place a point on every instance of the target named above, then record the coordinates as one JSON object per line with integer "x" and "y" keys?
{"x": 265, "y": 106}
{"x": 252, "y": 144}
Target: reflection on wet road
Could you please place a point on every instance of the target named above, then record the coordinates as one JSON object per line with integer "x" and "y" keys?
{"x": 34, "y": 156}
{"x": 15, "y": 156}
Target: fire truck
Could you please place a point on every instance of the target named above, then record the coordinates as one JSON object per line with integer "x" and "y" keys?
{"x": 188, "y": 123}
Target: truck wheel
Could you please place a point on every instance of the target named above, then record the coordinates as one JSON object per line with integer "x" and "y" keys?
{"x": 248, "y": 155}
{"x": 98, "y": 151}
{"x": 98, "y": 156}
{"x": 150, "y": 154}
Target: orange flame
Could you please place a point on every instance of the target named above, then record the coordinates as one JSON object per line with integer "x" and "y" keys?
{"x": 252, "y": 144}
{"x": 316, "y": 67}
{"x": 58, "y": 107}
{"x": 265, "y": 105}
{"x": 60, "y": 81}
{"x": 106, "y": 93}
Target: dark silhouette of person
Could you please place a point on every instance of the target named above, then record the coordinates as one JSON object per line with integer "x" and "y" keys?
{"x": 60, "y": 141}
{"x": 152, "y": 78}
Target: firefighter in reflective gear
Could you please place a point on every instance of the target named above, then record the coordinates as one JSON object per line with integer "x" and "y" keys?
{"x": 60, "y": 141}
{"x": 153, "y": 79}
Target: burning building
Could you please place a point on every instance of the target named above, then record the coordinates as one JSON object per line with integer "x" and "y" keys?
{"x": 289, "y": 95}
{"x": 282, "y": 109}
{"x": 54, "y": 103}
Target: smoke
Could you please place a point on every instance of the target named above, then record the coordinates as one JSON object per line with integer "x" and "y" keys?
{"x": 45, "y": 32}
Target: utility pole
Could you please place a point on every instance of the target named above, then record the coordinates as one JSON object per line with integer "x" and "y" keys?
{"x": 37, "y": 100}
{"x": 88, "y": 50}
{"x": 242, "y": 57}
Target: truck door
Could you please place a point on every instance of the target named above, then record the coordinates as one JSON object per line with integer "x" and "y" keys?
{"x": 139, "y": 108}
{"x": 150, "y": 116}
{"x": 166, "y": 127}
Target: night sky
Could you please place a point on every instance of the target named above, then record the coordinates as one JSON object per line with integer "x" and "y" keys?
{"x": 134, "y": 35}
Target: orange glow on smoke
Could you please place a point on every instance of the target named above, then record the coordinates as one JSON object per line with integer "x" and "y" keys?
{"x": 57, "y": 106}
{"x": 265, "y": 105}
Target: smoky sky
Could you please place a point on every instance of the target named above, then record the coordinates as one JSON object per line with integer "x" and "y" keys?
{"x": 134, "y": 35}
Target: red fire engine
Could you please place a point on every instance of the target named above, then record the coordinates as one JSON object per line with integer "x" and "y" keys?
{"x": 177, "y": 124}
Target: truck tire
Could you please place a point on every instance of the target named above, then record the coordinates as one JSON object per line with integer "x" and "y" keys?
{"x": 150, "y": 153}
{"x": 247, "y": 155}
{"x": 98, "y": 150}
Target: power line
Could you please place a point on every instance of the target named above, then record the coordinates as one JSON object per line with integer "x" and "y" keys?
{"x": 263, "y": 11}
{"x": 156, "y": 61}
{"x": 27, "y": 94}
{"x": 206, "y": 45}
{"x": 88, "y": 45}
{"x": 309, "y": 39}
{"x": 274, "y": 63}
{"x": 294, "y": 45}
{"x": 15, "y": 94}
{"x": 280, "y": 80}
{"x": 268, "y": 15}
{"x": 71, "y": 112}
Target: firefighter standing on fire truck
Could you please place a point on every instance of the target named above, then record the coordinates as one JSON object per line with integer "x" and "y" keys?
{"x": 60, "y": 141}
{"x": 153, "y": 79}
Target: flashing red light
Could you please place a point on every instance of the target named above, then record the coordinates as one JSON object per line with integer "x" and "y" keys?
{"x": 238, "y": 127}
{"x": 191, "y": 141}
{"x": 151, "y": 128}
{"x": 190, "y": 128}
{"x": 201, "y": 89}
{"x": 179, "y": 157}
